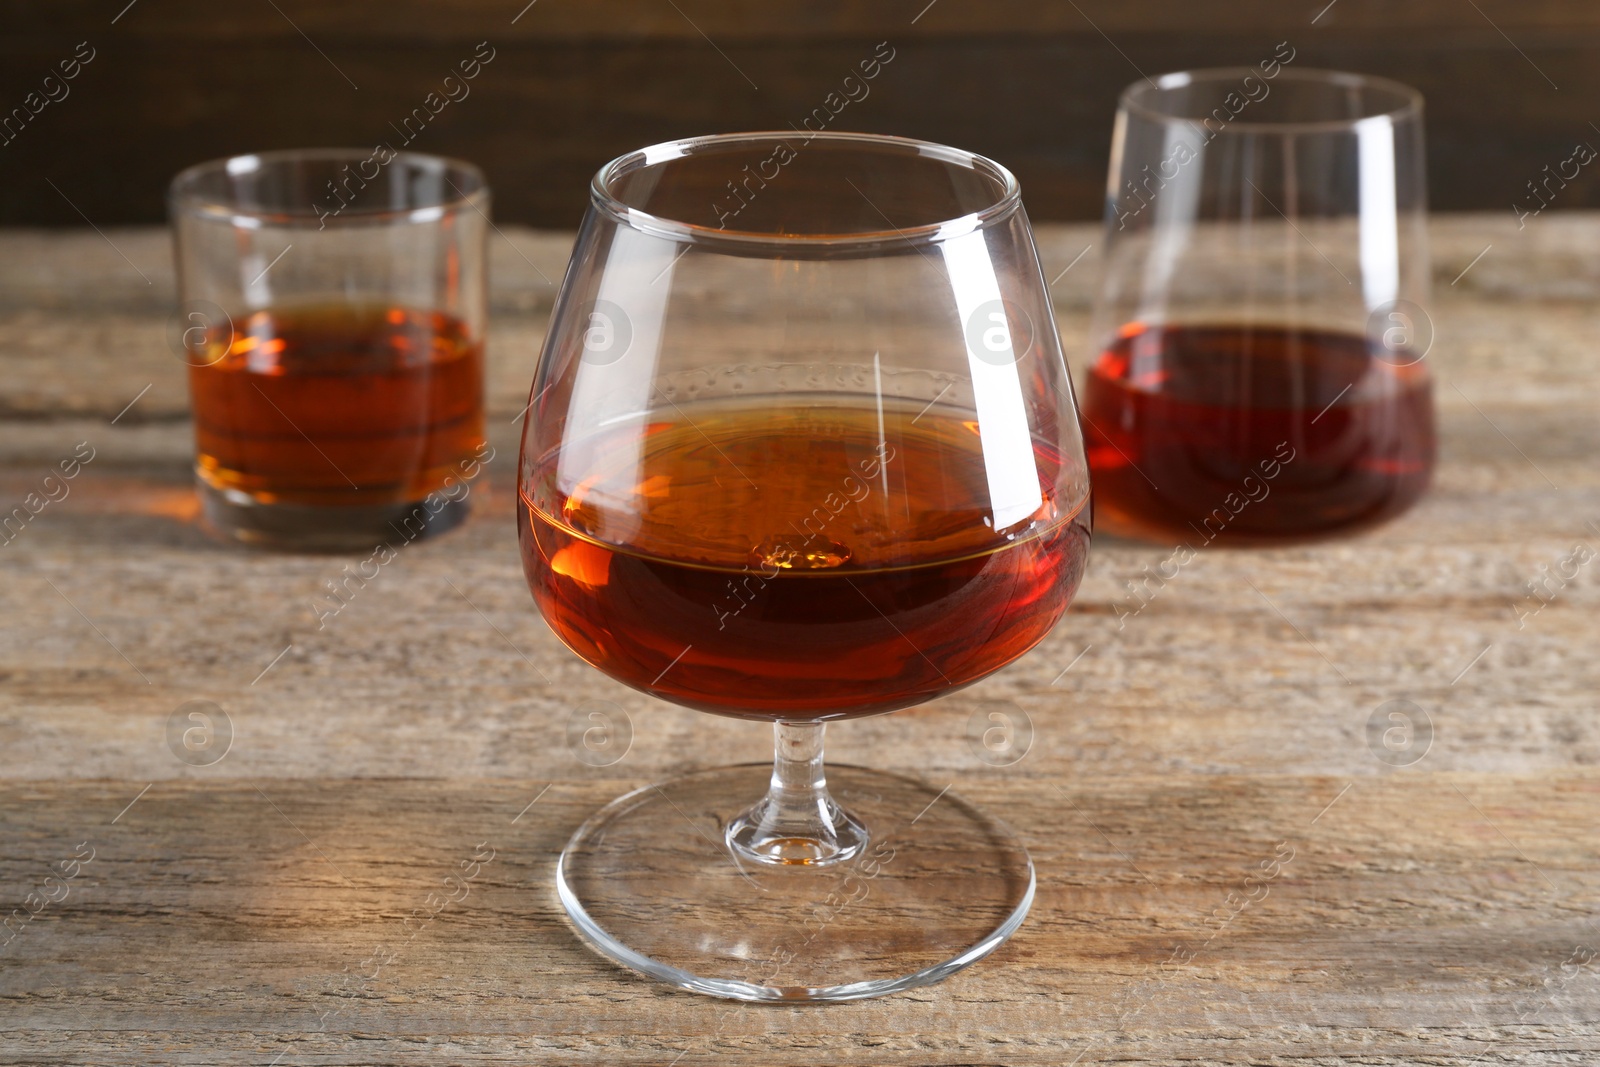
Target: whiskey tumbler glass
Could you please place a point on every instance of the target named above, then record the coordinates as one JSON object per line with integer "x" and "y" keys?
{"x": 331, "y": 311}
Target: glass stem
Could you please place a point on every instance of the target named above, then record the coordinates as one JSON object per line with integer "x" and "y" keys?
{"x": 797, "y": 822}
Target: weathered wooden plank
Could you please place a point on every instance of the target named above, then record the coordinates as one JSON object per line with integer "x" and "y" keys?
{"x": 178, "y": 943}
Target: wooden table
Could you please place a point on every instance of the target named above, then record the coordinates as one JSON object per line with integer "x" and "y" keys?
{"x": 252, "y": 910}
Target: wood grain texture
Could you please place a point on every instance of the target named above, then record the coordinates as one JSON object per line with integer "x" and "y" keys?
{"x": 1441, "y": 913}
{"x": 1029, "y": 82}
{"x": 1403, "y": 930}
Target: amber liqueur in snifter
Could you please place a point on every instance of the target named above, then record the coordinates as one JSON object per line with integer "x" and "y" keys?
{"x": 836, "y": 614}
{"x": 814, "y": 462}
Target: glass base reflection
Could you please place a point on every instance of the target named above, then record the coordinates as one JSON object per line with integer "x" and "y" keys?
{"x": 651, "y": 882}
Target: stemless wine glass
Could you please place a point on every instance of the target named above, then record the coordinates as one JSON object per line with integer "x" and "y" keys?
{"x": 801, "y": 447}
{"x": 1261, "y": 325}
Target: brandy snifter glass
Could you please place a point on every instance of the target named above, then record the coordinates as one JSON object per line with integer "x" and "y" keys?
{"x": 802, "y": 447}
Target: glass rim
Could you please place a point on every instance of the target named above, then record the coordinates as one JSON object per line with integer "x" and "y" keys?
{"x": 183, "y": 193}
{"x": 1008, "y": 200}
{"x": 1408, "y": 100}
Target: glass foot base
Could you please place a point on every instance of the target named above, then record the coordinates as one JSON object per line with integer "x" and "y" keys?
{"x": 234, "y": 516}
{"x": 651, "y": 882}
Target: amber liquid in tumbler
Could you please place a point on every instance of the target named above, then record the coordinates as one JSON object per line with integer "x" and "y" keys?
{"x": 339, "y": 405}
{"x": 1254, "y": 435}
{"x": 780, "y": 563}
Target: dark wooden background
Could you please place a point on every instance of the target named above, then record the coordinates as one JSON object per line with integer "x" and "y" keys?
{"x": 1511, "y": 84}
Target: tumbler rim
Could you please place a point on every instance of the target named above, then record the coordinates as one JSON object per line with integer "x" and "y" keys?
{"x": 1007, "y": 200}
{"x": 184, "y": 194}
{"x": 1408, "y": 101}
